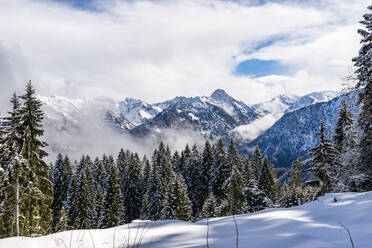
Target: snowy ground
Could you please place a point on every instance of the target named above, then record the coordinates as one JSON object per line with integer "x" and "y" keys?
{"x": 316, "y": 224}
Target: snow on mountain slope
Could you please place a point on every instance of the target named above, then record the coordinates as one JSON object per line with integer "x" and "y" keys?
{"x": 313, "y": 225}
{"x": 72, "y": 125}
{"x": 137, "y": 111}
{"x": 276, "y": 106}
{"x": 312, "y": 98}
{"x": 212, "y": 116}
{"x": 273, "y": 110}
{"x": 285, "y": 103}
{"x": 294, "y": 133}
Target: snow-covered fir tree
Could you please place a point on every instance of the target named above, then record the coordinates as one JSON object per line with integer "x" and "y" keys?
{"x": 130, "y": 184}
{"x": 323, "y": 162}
{"x": 363, "y": 62}
{"x": 219, "y": 174}
{"x": 268, "y": 181}
{"x": 72, "y": 201}
{"x": 210, "y": 208}
{"x": 194, "y": 180}
{"x": 61, "y": 178}
{"x": 234, "y": 184}
{"x": 14, "y": 172}
{"x": 177, "y": 204}
{"x": 85, "y": 202}
{"x": 257, "y": 162}
{"x": 62, "y": 224}
{"x": 291, "y": 194}
{"x": 349, "y": 177}
{"x": 113, "y": 213}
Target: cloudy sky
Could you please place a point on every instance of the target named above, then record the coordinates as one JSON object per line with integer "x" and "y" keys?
{"x": 156, "y": 50}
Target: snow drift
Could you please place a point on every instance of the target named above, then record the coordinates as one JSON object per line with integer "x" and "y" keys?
{"x": 315, "y": 224}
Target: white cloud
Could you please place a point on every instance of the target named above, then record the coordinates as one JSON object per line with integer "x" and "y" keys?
{"x": 157, "y": 50}
{"x": 255, "y": 128}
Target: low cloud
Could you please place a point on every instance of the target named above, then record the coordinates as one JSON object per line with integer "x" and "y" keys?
{"x": 255, "y": 128}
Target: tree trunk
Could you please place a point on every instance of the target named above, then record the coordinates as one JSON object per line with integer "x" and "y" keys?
{"x": 17, "y": 206}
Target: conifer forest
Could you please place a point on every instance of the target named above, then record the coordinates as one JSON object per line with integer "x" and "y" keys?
{"x": 198, "y": 182}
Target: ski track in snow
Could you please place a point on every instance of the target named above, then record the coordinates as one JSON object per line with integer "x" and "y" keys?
{"x": 315, "y": 224}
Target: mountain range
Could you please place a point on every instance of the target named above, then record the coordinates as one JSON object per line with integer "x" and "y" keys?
{"x": 110, "y": 124}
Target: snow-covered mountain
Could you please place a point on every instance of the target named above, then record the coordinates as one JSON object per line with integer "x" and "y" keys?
{"x": 213, "y": 116}
{"x": 315, "y": 224}
{"x": 293, "y": 134}
{"x": 219, "y": 115}
{"x": 137, "y": 111}
{"x": 285, "y": 103}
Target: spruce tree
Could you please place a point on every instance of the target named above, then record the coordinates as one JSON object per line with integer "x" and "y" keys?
{"x": 220, "y": 173}
{"x": 194, "y": 181}
{"x": 62, "y": 224}
{"x": 130, "y": 183}
{"x": 268, "y": 182}
{"x": 72, "y": 202}
{"x": 257, "y": 163}
{"x": 210, "y": 207}
{"x": 41, "y": 191}
{"x": 177, "y": 205}
{"x": 234, "y": 184}
{"x": 85, "y": 201}
{"x": 98, "y": 206}
{"x": 153, "y": 199}
{"x": 113, "y": 213}
{"x": 292, "y": 192}
{"x": 15, "y": 173}
{"x": 364, "y": 75}
{"x": 255, "y": 198}
{"x": 323, "y": 162}
{"x": 61, "y": 178}
{"x": 207, "y": 165}
{"x": 348, "y": 174}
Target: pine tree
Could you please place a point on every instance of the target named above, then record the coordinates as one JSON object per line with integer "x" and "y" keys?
{"x": 176, "y": 162}
{"x": 62, "y": 173}
{"x": 194, "y": 181}
{"x": 85, "y": 202}
{"x": 220, "y": 173}
{"x": 153, "y": 199}
{"x": 62, "y": 224}
{"x": 130, "y": 184}
{"x": 210, "y": 207}
{"x": 207, "y": 165}
{"x": 234, "y": 184}
{"x": 256, "y": 199}
{"x": 15, "y": 171}
{"x": 269, "y": 182}
{"x": 98, "y": 207}
{"x": 113, "y": 213}
{"x": 41, "y": 188}
{"x": 257, "y": 163}
{"x": 344, "y": 126}
{"x": 177, "y": 205}
{"x": 323, "y": 159}
{"x": 364, "y": 75}
{"x": 72, "y": 201}
{"x": 292, "y": 192}
{"x": 348, "y": 176}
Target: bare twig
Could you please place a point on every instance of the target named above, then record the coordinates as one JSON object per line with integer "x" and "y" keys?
{"x": 348, "y": 231}
{"x": 237, "y": 232}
